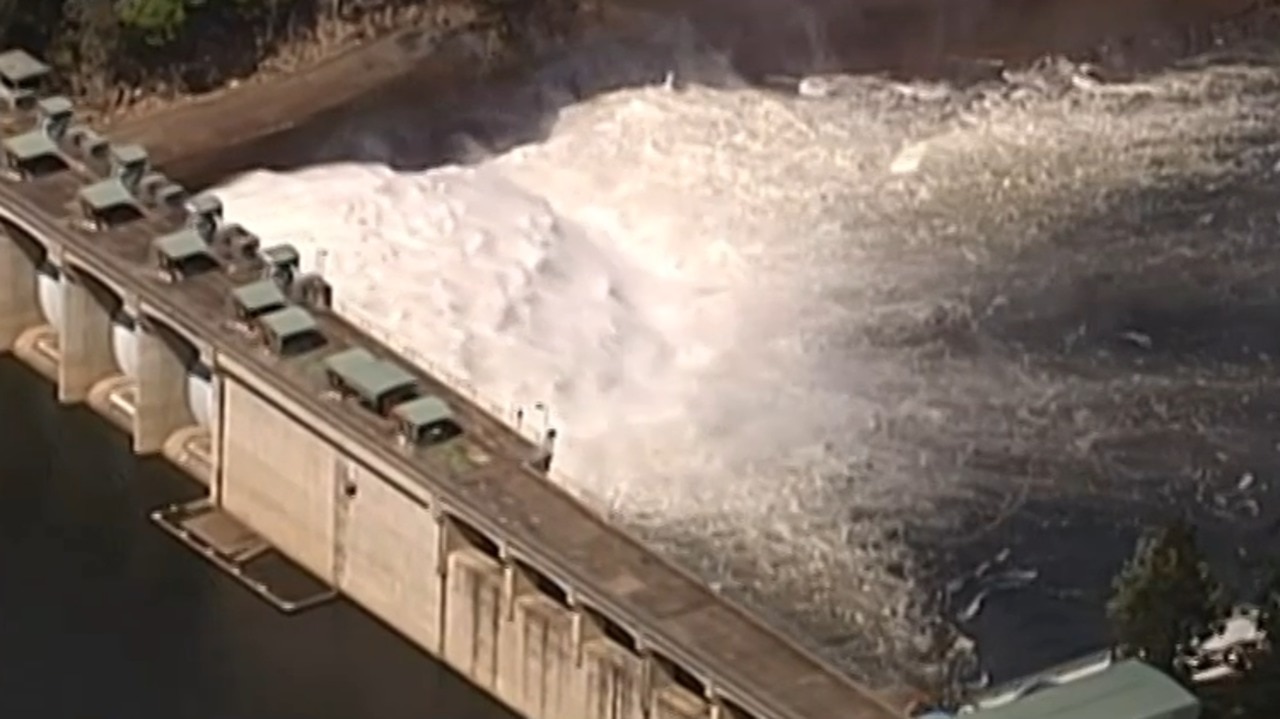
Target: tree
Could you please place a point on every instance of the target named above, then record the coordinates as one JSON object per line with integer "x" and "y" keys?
{"x": 88, "y": 43}
{"x": 1163, "y": 597}
{"x": 158, "y": 21}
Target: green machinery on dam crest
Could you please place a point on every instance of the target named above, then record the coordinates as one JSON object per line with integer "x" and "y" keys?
{"x": 334, "y": 466}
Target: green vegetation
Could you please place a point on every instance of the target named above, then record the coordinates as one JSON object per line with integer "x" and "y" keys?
{"x": 156, "y": 21}
{"x": 1166, "y": 595}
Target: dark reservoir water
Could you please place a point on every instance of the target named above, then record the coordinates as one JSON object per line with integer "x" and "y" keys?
{"x": 102, "y": 615}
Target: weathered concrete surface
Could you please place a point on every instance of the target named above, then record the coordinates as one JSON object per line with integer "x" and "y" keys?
{"x": 675, "y": 702}
{"x": 615, "y": 680}
{"x": 473, "y": 629}
{"x": 19, "y": 310}
{"x": 278, "y": 479}
{"x": 543, "y": 666}
{"x": 387, "y": 554}
{"x": 85, "y": 342}
{"x": 161, "y": 406}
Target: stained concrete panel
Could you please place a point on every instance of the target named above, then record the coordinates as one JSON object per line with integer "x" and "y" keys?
{"x": 49, "y": 295}
{"x": 85, "y": 342}
{"x": 161, "y": 405}
{"x": 19, "y": 308}
{"x": 389, "y": 555}
{"x": 473, "y": 616}
{"x": 277, "y": 478}
{"x": 546, "y": 680}
{"x": 676, "y": 702}
{"x": 614, "y": 681}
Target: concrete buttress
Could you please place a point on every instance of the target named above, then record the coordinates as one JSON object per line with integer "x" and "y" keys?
{"x": 85, "y": 341}
{"x": 19, "y": 308}
{"x": 161, "y": 406}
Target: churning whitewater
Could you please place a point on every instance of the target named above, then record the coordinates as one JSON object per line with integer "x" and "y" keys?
{"x": 806, "y": 337}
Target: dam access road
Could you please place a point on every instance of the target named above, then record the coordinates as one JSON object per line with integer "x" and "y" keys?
{"x": 320, "y": 444}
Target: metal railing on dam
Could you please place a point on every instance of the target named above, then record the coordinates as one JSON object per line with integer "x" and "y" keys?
{"x": 376, "y": 478}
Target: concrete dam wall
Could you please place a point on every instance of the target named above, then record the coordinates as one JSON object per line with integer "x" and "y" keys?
{"x": 335, "y": 466}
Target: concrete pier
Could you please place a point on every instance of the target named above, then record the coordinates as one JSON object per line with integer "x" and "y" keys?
{"x": 161, "y": 398}
{"x": 616, "y": 680}
{"x": 545, "y": 665}
{"x": 373, "y": 478}
{"x": 671, "y": 701}
{"x": 474, "y": 622}
{"x": 84, "y": 339}
{"x": 19, "y": 309}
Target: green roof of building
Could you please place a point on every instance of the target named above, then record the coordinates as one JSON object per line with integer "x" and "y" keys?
{"x": 17, "y": 66}
{"x": 1127, "y": 690}
{"x": 30, "y": 146}
{"x": 106, "y": 194}
{"x": 346, "y": 361}
{"x": 289, "y": 322}
{"x": 89, "y": 138}
{"x": 204, "y": 203}
{"x": 181, "y": 245}
{"x": 170, "y": 192}
{"x": 370, "y": 378}
{"x": 259, "y": 296}
{"x": 423, "y": 411}
{"x": 128, "y": 154}
{"x": 281, "y": 254}
{"x": 55, "y": 105}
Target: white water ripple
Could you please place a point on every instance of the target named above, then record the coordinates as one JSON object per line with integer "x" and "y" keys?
{"x": 700, "y": 281}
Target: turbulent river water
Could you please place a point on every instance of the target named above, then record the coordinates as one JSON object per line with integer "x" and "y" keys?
{"x": 864, "y": 353}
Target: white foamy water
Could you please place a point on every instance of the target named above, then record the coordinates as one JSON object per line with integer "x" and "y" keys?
{"x": 757, "y": 317}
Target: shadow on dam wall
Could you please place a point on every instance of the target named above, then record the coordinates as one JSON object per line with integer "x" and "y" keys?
{"x": 287, "y": 124}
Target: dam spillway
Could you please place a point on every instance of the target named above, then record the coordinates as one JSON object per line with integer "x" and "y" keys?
{"x": 380, "y": 481}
